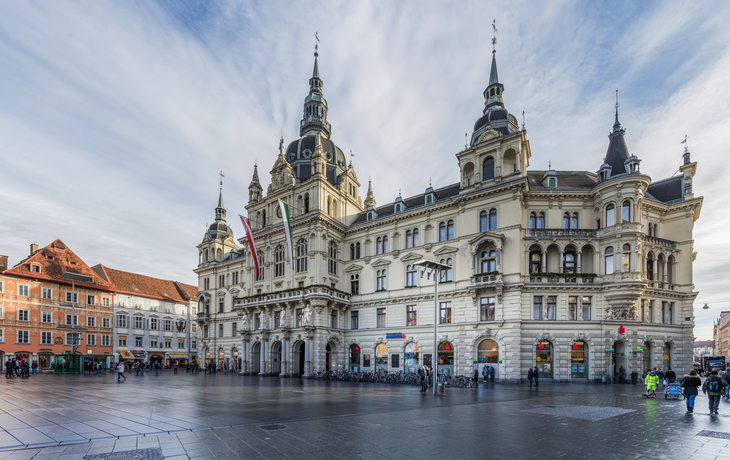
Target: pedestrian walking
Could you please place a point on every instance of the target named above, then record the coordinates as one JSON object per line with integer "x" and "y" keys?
{"x": 726, "y": 378}
{"x": 476, "y": 378}
{"x": 651, "y": 381}
{"x": 174, "y": 368}
{"x": 120, "y": 372}
{"x": 671, "y": 376}
{"x": 485, "y": 373}
{"x": 714, "y": 387}
{"x": 490, "y": 372}
{"x": 530, "y": 375}
{"x": 157, "y": 369}
{"x": 34, "y": 366}
{"x": 536, "y": 374}
{"x": 690, "y": 383}
{"x": 621, "y": 374}
{"x": 423, "y": 374}
{"x": 9, "y": 369}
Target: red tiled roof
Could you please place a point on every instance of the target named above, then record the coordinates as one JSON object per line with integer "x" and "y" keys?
{"x": 147, "y": 286}
{"x": 53, "y": 261}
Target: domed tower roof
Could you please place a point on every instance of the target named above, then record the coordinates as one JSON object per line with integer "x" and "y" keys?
{"x": 618, "y": 152}
{"x": 219, "y": 230}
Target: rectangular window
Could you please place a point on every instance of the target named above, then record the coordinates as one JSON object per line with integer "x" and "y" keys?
{"x": 221, "y": 281}
{"x": 300, "y": 316}
{"x": 47, "y": 293}
{"x": 23, "y": 315}
{"x": 193, "y": 345}
{"x": 354, "y": 319}
{"x": 235, "y": 277}
{"x": 46, "y": 338}
{"x": 90, "y": 300}
{"x": 642, "y": 318}
{"x": 91, "y": 340}
{"x": 168, "y": 343}
{"x": 153, "y": 343}
{"x": 46, "y": 317}
{"x": 1, "y": 312}
{"x": 73, "y": 338}
{"x": 23, "y": 337}
{"x": 333, "y": 319}
{"x": 23, "y": 290}
{"x": 664, "y": 312}
{"x": 572, "y": 308}
{"x": 1, "y": 286}
{"x": 381, "y": 317}
{"x": 138, "y": 342}
{"x": 445, "y": 313}
{"x": 257, "y": 321}
{"x": 121, "y": 321}
{"x": 206, "y": 283}
{"x": 105, "y": 323}
{"x": 168, "y": 325}
{"x": 220, "y": 330}
{"x": 234, "y": 327}
{"x": 552, "y": 302}
{"x": 650, "y": 314}
{"x": 355, "y": 283}
{"x": 104, "y": 340}
{"x": 670, "y": 311}
{"x": 153, "y": 324}
{"x": 105, "y": 301}
{"x": 380, "y": 280}
{"x": 2, "y": 335}
{"x": 75, "y": 320}
{"x": 90, "y": 321}
{"x": 205, "y": 332}
{"x": 585, "y": 311}
{"x": 194, "y": 327}
{"x": 487, "y": 307}
{"x": 412, "y": 315}
{"x": 537, "y": 307}
{"x": 411, "y": 276}
{"x": 122, "y": 341}
{"x": 76, "y": 297}
{"x": 181, "y": 343}
{"x": 138, "y": 322}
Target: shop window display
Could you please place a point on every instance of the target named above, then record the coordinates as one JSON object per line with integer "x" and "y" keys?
{"x": 579, "y": 360}
{"x": 544, "y": 359}
{"x": 355, "y": 358}
{"x": 412, "y": 358}
{"x": 446, "y": 359}
{"x": 381, "y": 358}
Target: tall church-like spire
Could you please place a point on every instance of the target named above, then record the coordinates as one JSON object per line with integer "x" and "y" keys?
{"x": 314, "y": 119}
{"x": 493, "y": 93}
{"x": 220, "y": 211}
{"x": 370, "y": 197}
{"x": 618, "y": 152}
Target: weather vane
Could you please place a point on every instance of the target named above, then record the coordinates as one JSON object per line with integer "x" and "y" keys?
{"x": 686, "y": 144}
{"x": 617, "y": 104}
{"x": 221, "y": 181}
{"x": 281, "y": 143}
{"x": 351, "y": 155}
{"x": 494, "y": 37}
{"x": 523, "y": 120}
{"x": 316, "y": 45}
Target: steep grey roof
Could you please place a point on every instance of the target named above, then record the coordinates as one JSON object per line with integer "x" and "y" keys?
{"x": 617, "y": 153}
{"x": 666, "y": 190}
{"x": 442, "y": 194}
{"x": 566, "y": 180}
{"x": 493, "y": 77}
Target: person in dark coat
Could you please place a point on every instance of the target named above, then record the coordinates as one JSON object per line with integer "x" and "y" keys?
{"x": 714, "y": 387}
{"x": 690, "y": 383}
{"x": 9, "y": 369}
{"x": 24, "y": 369}
{"x": 476, "y": 377}
{"x": 530, "y": 375}
{"x": 671, "y": 376}
{"x": 536, "y": 374}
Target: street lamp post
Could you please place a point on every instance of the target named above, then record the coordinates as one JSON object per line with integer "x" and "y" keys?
{"x": 435, "y": 269}
{"x": 74, "y": 277}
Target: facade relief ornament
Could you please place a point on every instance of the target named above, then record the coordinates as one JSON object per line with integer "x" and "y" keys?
{"x": 622, "y": 314}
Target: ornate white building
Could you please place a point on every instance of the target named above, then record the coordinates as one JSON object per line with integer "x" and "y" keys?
{"x": 569, "y": 271}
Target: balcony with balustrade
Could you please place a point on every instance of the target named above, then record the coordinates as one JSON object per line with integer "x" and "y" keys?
{"x": 561, "y": 278}
{"x": 561, "y": 233}
{"x": 485, "y": 280}
{"x": 292, "y": 295}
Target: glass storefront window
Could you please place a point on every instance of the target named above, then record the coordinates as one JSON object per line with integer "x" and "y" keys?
{"x": 544, "y": 359}
{"x": 488, "y": 352}
{"x": 666, "y": 357}
{"x": 412, "y": 357}
{"x": 381, "y": 358}
{"x": 579, "y": 360}
{"x": 446, "y": 359}
{"x": 355, "y": 358}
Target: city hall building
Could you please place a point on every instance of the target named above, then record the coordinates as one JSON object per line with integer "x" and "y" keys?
{"x": 572, "y": 272}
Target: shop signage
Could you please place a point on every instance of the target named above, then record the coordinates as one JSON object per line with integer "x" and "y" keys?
{"x": 666, "y": 357}
{"x": 500, "y": 361}
{"x": 638, "y": 350}
{"x": 609, "y": 350}
{"x": 395, "y": 335}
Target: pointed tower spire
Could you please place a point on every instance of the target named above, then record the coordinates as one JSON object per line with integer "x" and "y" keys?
{"x": 370, "y": 198}
{"x": 493, "y": 93}
{"x": 618, "y": 152}
{"x": 314, "y": 119}
{"x": 255, "y": 190}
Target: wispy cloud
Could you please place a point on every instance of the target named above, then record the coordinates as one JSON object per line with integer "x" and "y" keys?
{"x": 116, "y": 117}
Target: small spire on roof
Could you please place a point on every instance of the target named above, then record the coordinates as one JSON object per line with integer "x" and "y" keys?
{"x": 523, "y": 120}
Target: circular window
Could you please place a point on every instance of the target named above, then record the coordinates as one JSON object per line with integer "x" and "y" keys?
{"x": 307, "y": 153}
{"x": 292, "y": 157}
{"x": 329, "y": 156}
{"x": 278, "y": 212}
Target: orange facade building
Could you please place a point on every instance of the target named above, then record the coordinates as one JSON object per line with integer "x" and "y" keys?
{"x": 36, "y": 312}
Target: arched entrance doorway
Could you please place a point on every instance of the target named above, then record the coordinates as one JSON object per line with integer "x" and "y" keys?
{"x": 331, "y": 356}
{"x": 255, "y": 364}
{"x": 44, "y": 360}
{"x": 275, "y": 358}
{"x": 666, "y": 357}
{"x": 234, "y": 362}
{"x": 579, "y": 360}
{"x": 156, "y": 359}
{"x": 445, "y": 360}
{"x": 544, "y": 359}
{"x": 381, "y": 358}
{"x": 488, "y": 356}
{"x": 646, "y": 358}
{"x": 221, "y": 360}
{"x": 355, "y": 358}
{"x": 412, "y": 357}
{"x": 300, "y": 358}
{"x": 620, "y": 358}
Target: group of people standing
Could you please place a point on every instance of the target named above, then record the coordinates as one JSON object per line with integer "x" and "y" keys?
{"x": 714, "y": 387}
{"x": 19, "y": 368}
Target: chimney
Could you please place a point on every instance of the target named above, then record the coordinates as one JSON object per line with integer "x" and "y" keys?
{"x": 3, "y": 263}
{"x": 33, "y": 248}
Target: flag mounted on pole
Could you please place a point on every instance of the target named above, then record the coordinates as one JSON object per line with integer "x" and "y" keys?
{"x": 287, "y": 230}
{"x": 251, "y": 244}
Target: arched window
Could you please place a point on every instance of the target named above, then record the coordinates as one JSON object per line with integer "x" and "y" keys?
{"x": 301, "y": 263}
{"x": 488, "y": 169}
{"x": 263, "y": 218}
{"x": 450, "y": 230}
{"x": 428, "y": 199}
{"x": 533, "y": 220}
{"x": 409, "y": 239}
{"x": 610, "y": 215}
{"x": 415, "y": 237}
{"x": 206, "y": 256}
{"x": 385, "y": 244}
{"x": 381, "y": 358}
{"x": 492, "y": 219}
{"x": 541, "y": 220}
{"x": 352, "y": 251}
{"x": 488, "y": 352}
{"x": 412, "y": 356}
{"x": 262, "y": 270}
{"x": 380, "y": 280}
{"x": 447, "y": 273}
{"x": 566, "y": 221}
{"x": 379, "y": 245}
{"x": 626, "y": 212}
{"x": 397, "y": 208}
{"x": 442, "y": 231}
{"x": 535, "y": 262}
{"x": 574, "y": 221}
{"x": 279, "y": 261}
{"x": 483, "y": 221}
{"x": 650, "y": 266}
{"x": 626, "y": 258}
{"x": 332, "y": 265}
{"x": 489, "y": 261}
{"x": 357, "y": 250}
{"x": 609, "y": 260}
{"x": 569, "y": 262}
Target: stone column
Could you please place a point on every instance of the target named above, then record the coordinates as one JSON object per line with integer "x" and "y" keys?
{"x": 579, "y": 261}
{"x": 666, "y": 261}
{"x": 262, "y": 358}
{"x": 655, "y": 275}
{"x": 244, "y": 356}
{"x": 543, "y": 261}
{"x": 284, "y": 362}
{"x": 499, "y": 260}
{"x": 307, "y": 356}
{"x": 562, "y": 267}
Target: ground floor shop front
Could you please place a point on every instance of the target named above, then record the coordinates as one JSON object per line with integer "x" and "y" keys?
{"x": 571, "y": 352}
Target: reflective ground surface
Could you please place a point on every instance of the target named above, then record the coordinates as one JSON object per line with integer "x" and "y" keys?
{"x": 226, "y": 416}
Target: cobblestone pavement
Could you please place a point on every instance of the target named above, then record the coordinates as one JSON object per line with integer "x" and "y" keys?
{"x": 226, "y": 416}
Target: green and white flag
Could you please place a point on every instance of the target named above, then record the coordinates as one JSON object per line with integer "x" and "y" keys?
{"x": 287, "y": 230}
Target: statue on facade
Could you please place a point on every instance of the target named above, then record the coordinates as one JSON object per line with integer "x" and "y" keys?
{"x": 282, "y": 318}
{"x": 308, "y": 316}
{"x": 244, "y": 322}
{"x": 263, "y": 319}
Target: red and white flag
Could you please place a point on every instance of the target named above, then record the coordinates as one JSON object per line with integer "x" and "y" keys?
{"x": 251, "y": 244}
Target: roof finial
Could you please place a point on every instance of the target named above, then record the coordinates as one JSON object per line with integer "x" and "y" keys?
{"x": 494, "y": 36}
{"x": 351, "y": 155}
{"x": 550, "y": 165}
{"x": 429, "y": 182}
{"x": 221, "y": 181}
{"x": 466, "y": 141}
{"x": 281, "y": 143}
{"x": 686, "y": 144}
{"x": 399, "y": 194}
{"x": 523, "y": 120}
{"x": 316, "y": 45}
{"x": 617, "y": 105}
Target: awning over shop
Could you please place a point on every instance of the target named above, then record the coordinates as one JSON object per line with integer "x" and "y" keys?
{"x": 124, "y": 354}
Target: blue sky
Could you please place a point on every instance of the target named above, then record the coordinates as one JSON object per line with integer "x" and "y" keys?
{"x": 115, "y": 117}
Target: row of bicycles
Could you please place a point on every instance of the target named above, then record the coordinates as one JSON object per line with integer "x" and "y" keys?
{"x": 396, "y": 378}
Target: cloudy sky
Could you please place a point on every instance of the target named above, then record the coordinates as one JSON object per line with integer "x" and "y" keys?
{"x": 116, "y": 117}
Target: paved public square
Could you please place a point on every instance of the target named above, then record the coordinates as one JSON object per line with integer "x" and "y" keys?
{"x": 227, "y": 416}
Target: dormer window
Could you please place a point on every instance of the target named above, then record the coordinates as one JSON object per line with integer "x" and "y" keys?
{"x": 397, "y": 208}
{"x": 35, "y": 268}
{"x": 429, "y": 199}
{"x": 370, "y": 216}
{"x": 552, "y": 182}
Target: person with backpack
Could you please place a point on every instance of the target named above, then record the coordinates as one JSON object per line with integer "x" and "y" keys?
{"x": 726, "y": 378}
{"x": 714, "y": 387}
{"x": 690, "y": 383}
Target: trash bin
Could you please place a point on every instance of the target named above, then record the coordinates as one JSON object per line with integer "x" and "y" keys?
{"x": 603, "y": 378}
{"x": 441, "y": 389}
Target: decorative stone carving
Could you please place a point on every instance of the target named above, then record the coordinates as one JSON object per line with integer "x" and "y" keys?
{"x": 243, "y": 324}
{"x": 622, "y": 313}
{"x": 282, "y": 318}
{"x": 308, "y": 316}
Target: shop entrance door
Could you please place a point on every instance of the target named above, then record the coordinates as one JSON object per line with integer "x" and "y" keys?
{"x": 300, "y": 371}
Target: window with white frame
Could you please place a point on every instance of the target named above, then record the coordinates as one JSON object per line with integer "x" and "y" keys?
{"x": 412, "y": 315}
{"x": 105, "y": 322}
{"x": 104, "y": 340}
{"x": 46, "y": 317}
{"x": 487, "y": 307}
{"x": 122, "y": 341}
{"x": 332, "y": 261}
{"x": 380, "y": 277}
{"x": 579, "y": 308}
{"x": 75, "y": 297}
{"x": 153, "y": 324}
{"x": 122, "y": 321}
{"x": 90, "y": 321}
{"x": 153, "y": 343}
{"x": 23, "y": 337}
{"x": 168, "y": 326}
{"x": 447, "y": 274}
{"x": 489, "y": 261}
{"x": 90, "y": 300}
{"x": 445, "y": 313}
{"x": 23, "y": 290}
{"x": 552, "y": 306}
{"x": 2, "y": 336}
{"x": 181, "y": 343}
{"x": 91, "y": 340}
{"x": 139, "y": 322}
{"x": 380, "y": 317}
{"x": 47, "y": 293}
{"x": 355, "y": 283}
{"x": 301, "y": 263}
{"x": 354, "y": 319}
{"x": 537, "y": 307}
{"x": 23, "y": 315}
{"x": 105, "y": 302}
{"x": 609, "y": 260}
{"x": 46, "y": 338}
{"x": 193, "y": 344}
{"x": 610, "y": 215}
{"x": 70, "y": 318}
{"x": 279, "y": 261}
{"x": 411, "y": 276}
{"x": 220, "y": 330}
{"x": 168, "y": 343}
